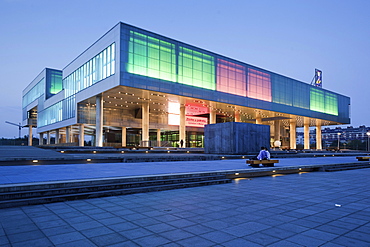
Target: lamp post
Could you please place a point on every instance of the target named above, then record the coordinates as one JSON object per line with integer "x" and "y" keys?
{"x": 368, "y": 137}
{"x": 338, "y": 139}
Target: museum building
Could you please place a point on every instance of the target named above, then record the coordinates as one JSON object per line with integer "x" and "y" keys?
{"x": 133, "y": 87}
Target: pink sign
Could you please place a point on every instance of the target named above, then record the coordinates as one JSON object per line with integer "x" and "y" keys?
{"x": 196, "y": 121}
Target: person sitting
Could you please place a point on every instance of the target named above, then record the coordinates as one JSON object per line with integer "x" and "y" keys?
{"x": 267, "y": 153}
{"x": 264, "y": 154}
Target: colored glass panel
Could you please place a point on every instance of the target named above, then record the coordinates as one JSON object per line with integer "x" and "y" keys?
{"x": 259, "y": 85}
{"x": 54, "y": 83}
{"x": 317, "y": 100}
{"x": 196, "y": 69}
{"x": 324, "y": 102}
{"x": 152, "y": 57}
{"x": 231, "y": 78}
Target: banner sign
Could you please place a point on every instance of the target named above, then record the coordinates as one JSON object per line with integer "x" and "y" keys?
{"x": 318, "y": 78}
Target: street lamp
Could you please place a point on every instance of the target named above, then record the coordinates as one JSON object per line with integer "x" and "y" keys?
{"x": 368, "y": 137}
{"x": 338, "y": 139}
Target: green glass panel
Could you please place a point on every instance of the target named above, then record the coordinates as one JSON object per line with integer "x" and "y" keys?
{"x": 151, "y": 53}
{"x": 317, "y": 100}
{"x": 196, "y": 69}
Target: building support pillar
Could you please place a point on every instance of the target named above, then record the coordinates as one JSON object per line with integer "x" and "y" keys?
{"x": 158, "y": 137}
{"x": 145, "y": 125}
{"x": 47, "y": 137}
{"x": 306, "y": 133}
{"x": 318, "y": 135}
{"x": 277, "y": 134}
{"x": 57, "y": 136}
{"x": 41, "y": 139}
{"x": 293, "y": 137}
{"x": 30, "y": 135}
{"x": 81, "y": 136}
{"x": 99, "y": 121}
{"x": 212, "y": 116}
{"x": 182, "y": 127}
{"x": 237, "y": 117}
{"x": 123, "y": 137}
{"x": 258, "y": 118}
{"x": 68, "y": 134}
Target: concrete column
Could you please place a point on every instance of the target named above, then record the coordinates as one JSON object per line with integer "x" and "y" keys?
{"x": 212, "y": 116}
{"x": 145, "y": 124}
{"x": 258, "y": 120}
{"x": 318, "y": 135}
{"x": 57, "y": 136}
{"x": 68, "y": 134}
{"x": 293, "y": 137}
{"x": 182, "y": 127}
{"x": 124, "y": 132}
{"x": 237, "y": 116}
{"x": 277, "y": 134}
{"x": 158, "y": 137}
{"x": 48, "y": 137}
{"x": 81, "y": 135}
{"x": 99, "y": 121}
{"x": 41, "y": 139}
{"x": 306, "y": 133}
{"x": 30, "y": 135}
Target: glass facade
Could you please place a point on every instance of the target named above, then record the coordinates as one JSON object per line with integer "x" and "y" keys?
{"x": 158, "y": 57}
{"x": 323, "y": 101}
{"x": 259, "y": 85}
{"x": 33, "y": 94}
{"x": 196, "y": 69}
{"x": 151, "y": 57}
{"x": 96, "y": 69}
{"x": 54, "y": 82}
{"x": 231, "y": 78}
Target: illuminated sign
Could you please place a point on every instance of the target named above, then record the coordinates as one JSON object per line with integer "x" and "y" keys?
{"x": 174, "y": 119}
{"x": 318, "y": 78}
{"x": 196, "y": 121}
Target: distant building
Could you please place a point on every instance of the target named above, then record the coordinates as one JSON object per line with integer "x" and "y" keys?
{"x": 135, "y": 87}
{"x": 330, "y": 135}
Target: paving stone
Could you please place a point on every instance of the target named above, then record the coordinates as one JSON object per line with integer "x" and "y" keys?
{"x": 66, "y": 238}
{"x": 152, "y": 240}
{"x": 44, "y": 242}
{"x": 195, "y": 242}
{"x": 108, "y": 239}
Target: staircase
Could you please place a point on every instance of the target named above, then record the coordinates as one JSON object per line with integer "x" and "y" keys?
{"x": 343, "y": 167}
{"x": 30, "y": 194}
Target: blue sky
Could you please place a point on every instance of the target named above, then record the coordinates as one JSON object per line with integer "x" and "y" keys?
{"x": 289, "y": 37}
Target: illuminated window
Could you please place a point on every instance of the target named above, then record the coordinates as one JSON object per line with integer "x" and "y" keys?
{"x": 149, "y": 56}
{"x": 34, "y": 93}
{"x": 96, "y": 69}
{"x": 324, "y": 102}
{"x": 231, "y": 78}
{"x": 259, "y": 85}
{"x": 196, "y": 69}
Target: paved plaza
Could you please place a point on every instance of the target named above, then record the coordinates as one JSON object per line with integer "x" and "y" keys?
{"x": 307, "y": 209}
{"x": 44, "y": 173}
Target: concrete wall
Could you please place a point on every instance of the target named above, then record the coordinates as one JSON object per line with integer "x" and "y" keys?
{"x": 235, "y": 138}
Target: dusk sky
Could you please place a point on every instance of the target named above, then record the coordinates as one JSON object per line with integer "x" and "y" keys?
{"x": 291, "y": 38}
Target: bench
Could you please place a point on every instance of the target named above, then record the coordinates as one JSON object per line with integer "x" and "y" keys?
{"x": 366, "y": 158}
{"x": 256, "y": 163}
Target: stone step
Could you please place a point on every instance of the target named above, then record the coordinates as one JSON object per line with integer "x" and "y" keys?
{"x": 345, "y": 167}
{"x": 47, "y": 193}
